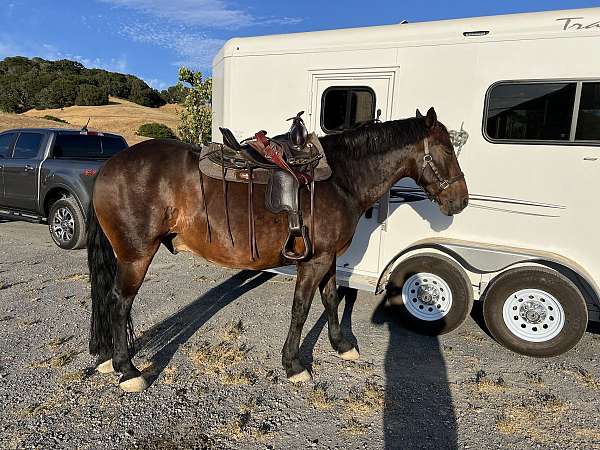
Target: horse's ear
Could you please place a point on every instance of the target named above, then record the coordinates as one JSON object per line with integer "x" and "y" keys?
{"x": 431, "y": 118}
{"x": 419, "y": 115}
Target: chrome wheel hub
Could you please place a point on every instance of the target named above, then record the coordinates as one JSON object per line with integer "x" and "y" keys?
{"x": 427, "y": 296}
{"x": 63, "y": 225}
{"x": 533, "y": 315}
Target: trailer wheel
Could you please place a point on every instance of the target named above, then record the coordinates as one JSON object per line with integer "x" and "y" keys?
{"x": 66, "y": 224}
{"x": 430, "y": 293}
{"x": 535, "y": 311}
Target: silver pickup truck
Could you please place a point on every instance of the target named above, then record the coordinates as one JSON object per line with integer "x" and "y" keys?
{"x": 47, "y": 174}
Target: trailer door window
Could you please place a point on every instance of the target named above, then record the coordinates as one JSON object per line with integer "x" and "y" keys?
{"x": 530, "y": 111}
{"x": 343, "y": 107}
{"x": 588, "y": 121}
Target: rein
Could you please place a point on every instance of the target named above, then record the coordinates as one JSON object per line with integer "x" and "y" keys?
{"x": 443, "y": 183}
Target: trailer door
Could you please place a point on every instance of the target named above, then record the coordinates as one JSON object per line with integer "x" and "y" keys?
{"x": 341, "y": 99}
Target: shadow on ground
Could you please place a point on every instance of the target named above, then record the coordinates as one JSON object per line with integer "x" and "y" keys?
{"x": 419, "y": 412}
{"x": 164, "y": 339}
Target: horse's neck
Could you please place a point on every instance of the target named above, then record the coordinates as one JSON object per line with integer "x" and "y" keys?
{"x": 366, "y": 180}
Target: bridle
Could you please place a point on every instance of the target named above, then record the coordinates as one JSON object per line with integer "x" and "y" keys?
{"x": 442, "y": 183}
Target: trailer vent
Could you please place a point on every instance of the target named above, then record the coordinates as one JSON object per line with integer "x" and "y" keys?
{"x": 475, "y": 33}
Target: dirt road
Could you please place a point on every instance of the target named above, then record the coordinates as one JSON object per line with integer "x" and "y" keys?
{"x": 211, "y": 340}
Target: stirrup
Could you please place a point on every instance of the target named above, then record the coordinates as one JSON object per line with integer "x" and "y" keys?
{"x": 288, "y": 249}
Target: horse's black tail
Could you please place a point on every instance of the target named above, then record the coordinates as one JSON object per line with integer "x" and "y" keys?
{"x": 102, "y": 264}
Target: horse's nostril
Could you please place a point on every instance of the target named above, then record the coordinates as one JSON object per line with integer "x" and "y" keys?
{"x": 465, "y": 202}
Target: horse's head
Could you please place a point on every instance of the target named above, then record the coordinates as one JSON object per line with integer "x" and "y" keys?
{"x": 437, "y": 168}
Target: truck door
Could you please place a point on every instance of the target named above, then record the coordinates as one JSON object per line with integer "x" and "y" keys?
{"x": 6, "y": 145}
{"x": 21, "y": 170}
{"x": 341, "y": 99}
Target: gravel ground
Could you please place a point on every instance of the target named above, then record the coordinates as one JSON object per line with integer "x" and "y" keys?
{"x": 210, "y": 339}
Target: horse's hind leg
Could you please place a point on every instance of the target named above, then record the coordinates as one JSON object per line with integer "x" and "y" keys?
{"x": 310, "y": 273}
{"x": 130, "y": 276}
{"x": 331, "y": 301}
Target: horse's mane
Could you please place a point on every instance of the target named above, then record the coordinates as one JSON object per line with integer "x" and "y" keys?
{"x": 375, "y": 138}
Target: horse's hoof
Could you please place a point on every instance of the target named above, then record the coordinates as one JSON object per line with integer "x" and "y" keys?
{"x": 350, "y": 355}
{"x": 301, "y": 377}
{"x": 137, "y": 384}
{"x": 106, "y": 367}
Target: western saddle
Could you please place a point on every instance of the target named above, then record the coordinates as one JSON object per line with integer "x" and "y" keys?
{"x": 285, "y": 163}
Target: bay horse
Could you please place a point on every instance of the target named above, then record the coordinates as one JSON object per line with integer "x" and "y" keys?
{"x": 152, "y": 194}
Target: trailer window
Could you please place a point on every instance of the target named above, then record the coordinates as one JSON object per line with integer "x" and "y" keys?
{"x": 530, "y": 111}
{"x": 588, "y": 120}
{"x": 344, "y": 107}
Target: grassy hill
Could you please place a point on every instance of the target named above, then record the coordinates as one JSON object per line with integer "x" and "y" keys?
{"x": 120, "y": 116}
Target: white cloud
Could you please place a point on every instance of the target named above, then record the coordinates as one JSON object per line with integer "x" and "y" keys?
{"x": 208, "y": 13}
{"x": 195, "y": 50}
{"x": 157, "y": 84}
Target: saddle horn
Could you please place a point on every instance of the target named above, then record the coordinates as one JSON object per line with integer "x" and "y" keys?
{"x": 298, "y": 133}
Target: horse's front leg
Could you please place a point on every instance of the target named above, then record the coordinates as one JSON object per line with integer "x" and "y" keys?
{"x": 309, "y": 276}
{"x": 331, "y": 301}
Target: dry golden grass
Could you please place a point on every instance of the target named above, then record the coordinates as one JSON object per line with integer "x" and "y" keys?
{"x": 120, "y": 116}
{"x": 57, "y": 342}
{"x": 216, "y": 359}
{"x": 170, "y": 375}
{"x": 534, "y": 419}
{"x": 366, "y": 401}
{"x": 590, "y": 434}
{"x": 353, "y": 427}
{"x": 585, "y": 377}
{"x": 319, "y": 397}
{"x": 245, "y": 377}
{"x": 57, "y": 361}
{"x": 233, "y": 331}
{"x": 77, "y": 277}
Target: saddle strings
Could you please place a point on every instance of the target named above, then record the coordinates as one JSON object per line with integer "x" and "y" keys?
{"x": 225, "y": 203}
{"x": 205, "y": 207}
{"x": 251, "y": 230}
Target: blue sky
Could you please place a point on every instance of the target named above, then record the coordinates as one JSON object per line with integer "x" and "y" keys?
{"x": 152, "y": 38}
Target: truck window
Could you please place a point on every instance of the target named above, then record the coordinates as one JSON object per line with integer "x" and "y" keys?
{"x": 77, "y": 146}
{"x": 112, "y": 145}
{"x": 6, "y": 141}
{"x": 28, "y": 145}
{"x": 530, "y": 111}
{"x": 343, "y": 107}
{"x": 588, "y": 121}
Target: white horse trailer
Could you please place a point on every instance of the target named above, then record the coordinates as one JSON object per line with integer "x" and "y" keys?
{"x": 522, "y": 96}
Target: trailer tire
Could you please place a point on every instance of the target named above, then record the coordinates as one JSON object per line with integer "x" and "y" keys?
{"x": 535, "y": 311}
{"x": 430, "y": 293}
{"x": 66, "y": 224}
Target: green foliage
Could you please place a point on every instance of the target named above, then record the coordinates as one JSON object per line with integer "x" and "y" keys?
{"x": 54, "y": 118}
{"x": 90, "y": 95}
{"x": 196, "y": 116}
{"x": 176, "y": 93}
{"x": 58, "y": 94}
{"x": 156, "y": 130}
{"x": 36, "y": 83}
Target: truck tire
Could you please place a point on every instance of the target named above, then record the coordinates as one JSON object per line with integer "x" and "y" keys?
{"x": 67, "y": 224}
{"x": 535, "y": 311}
{"x": 431, "y": 294}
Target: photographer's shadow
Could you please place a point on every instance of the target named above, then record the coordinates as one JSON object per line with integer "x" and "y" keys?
{"x": 419, "y": 412}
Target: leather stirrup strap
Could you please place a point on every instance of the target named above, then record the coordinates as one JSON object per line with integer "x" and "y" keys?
{"x": 312, "y": 214}
{"x": 251, "y": 226}
{"x": 205, "y": 207}
{"x": 225, "y": 205}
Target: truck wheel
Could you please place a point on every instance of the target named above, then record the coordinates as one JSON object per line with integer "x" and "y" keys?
{"x": 535, "y": 311}
{"x": 66, "y": 224}
{"x": 431, "y": 294}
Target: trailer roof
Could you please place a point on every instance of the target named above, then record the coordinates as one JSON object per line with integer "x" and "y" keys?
{"x": 565, "y": 23}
